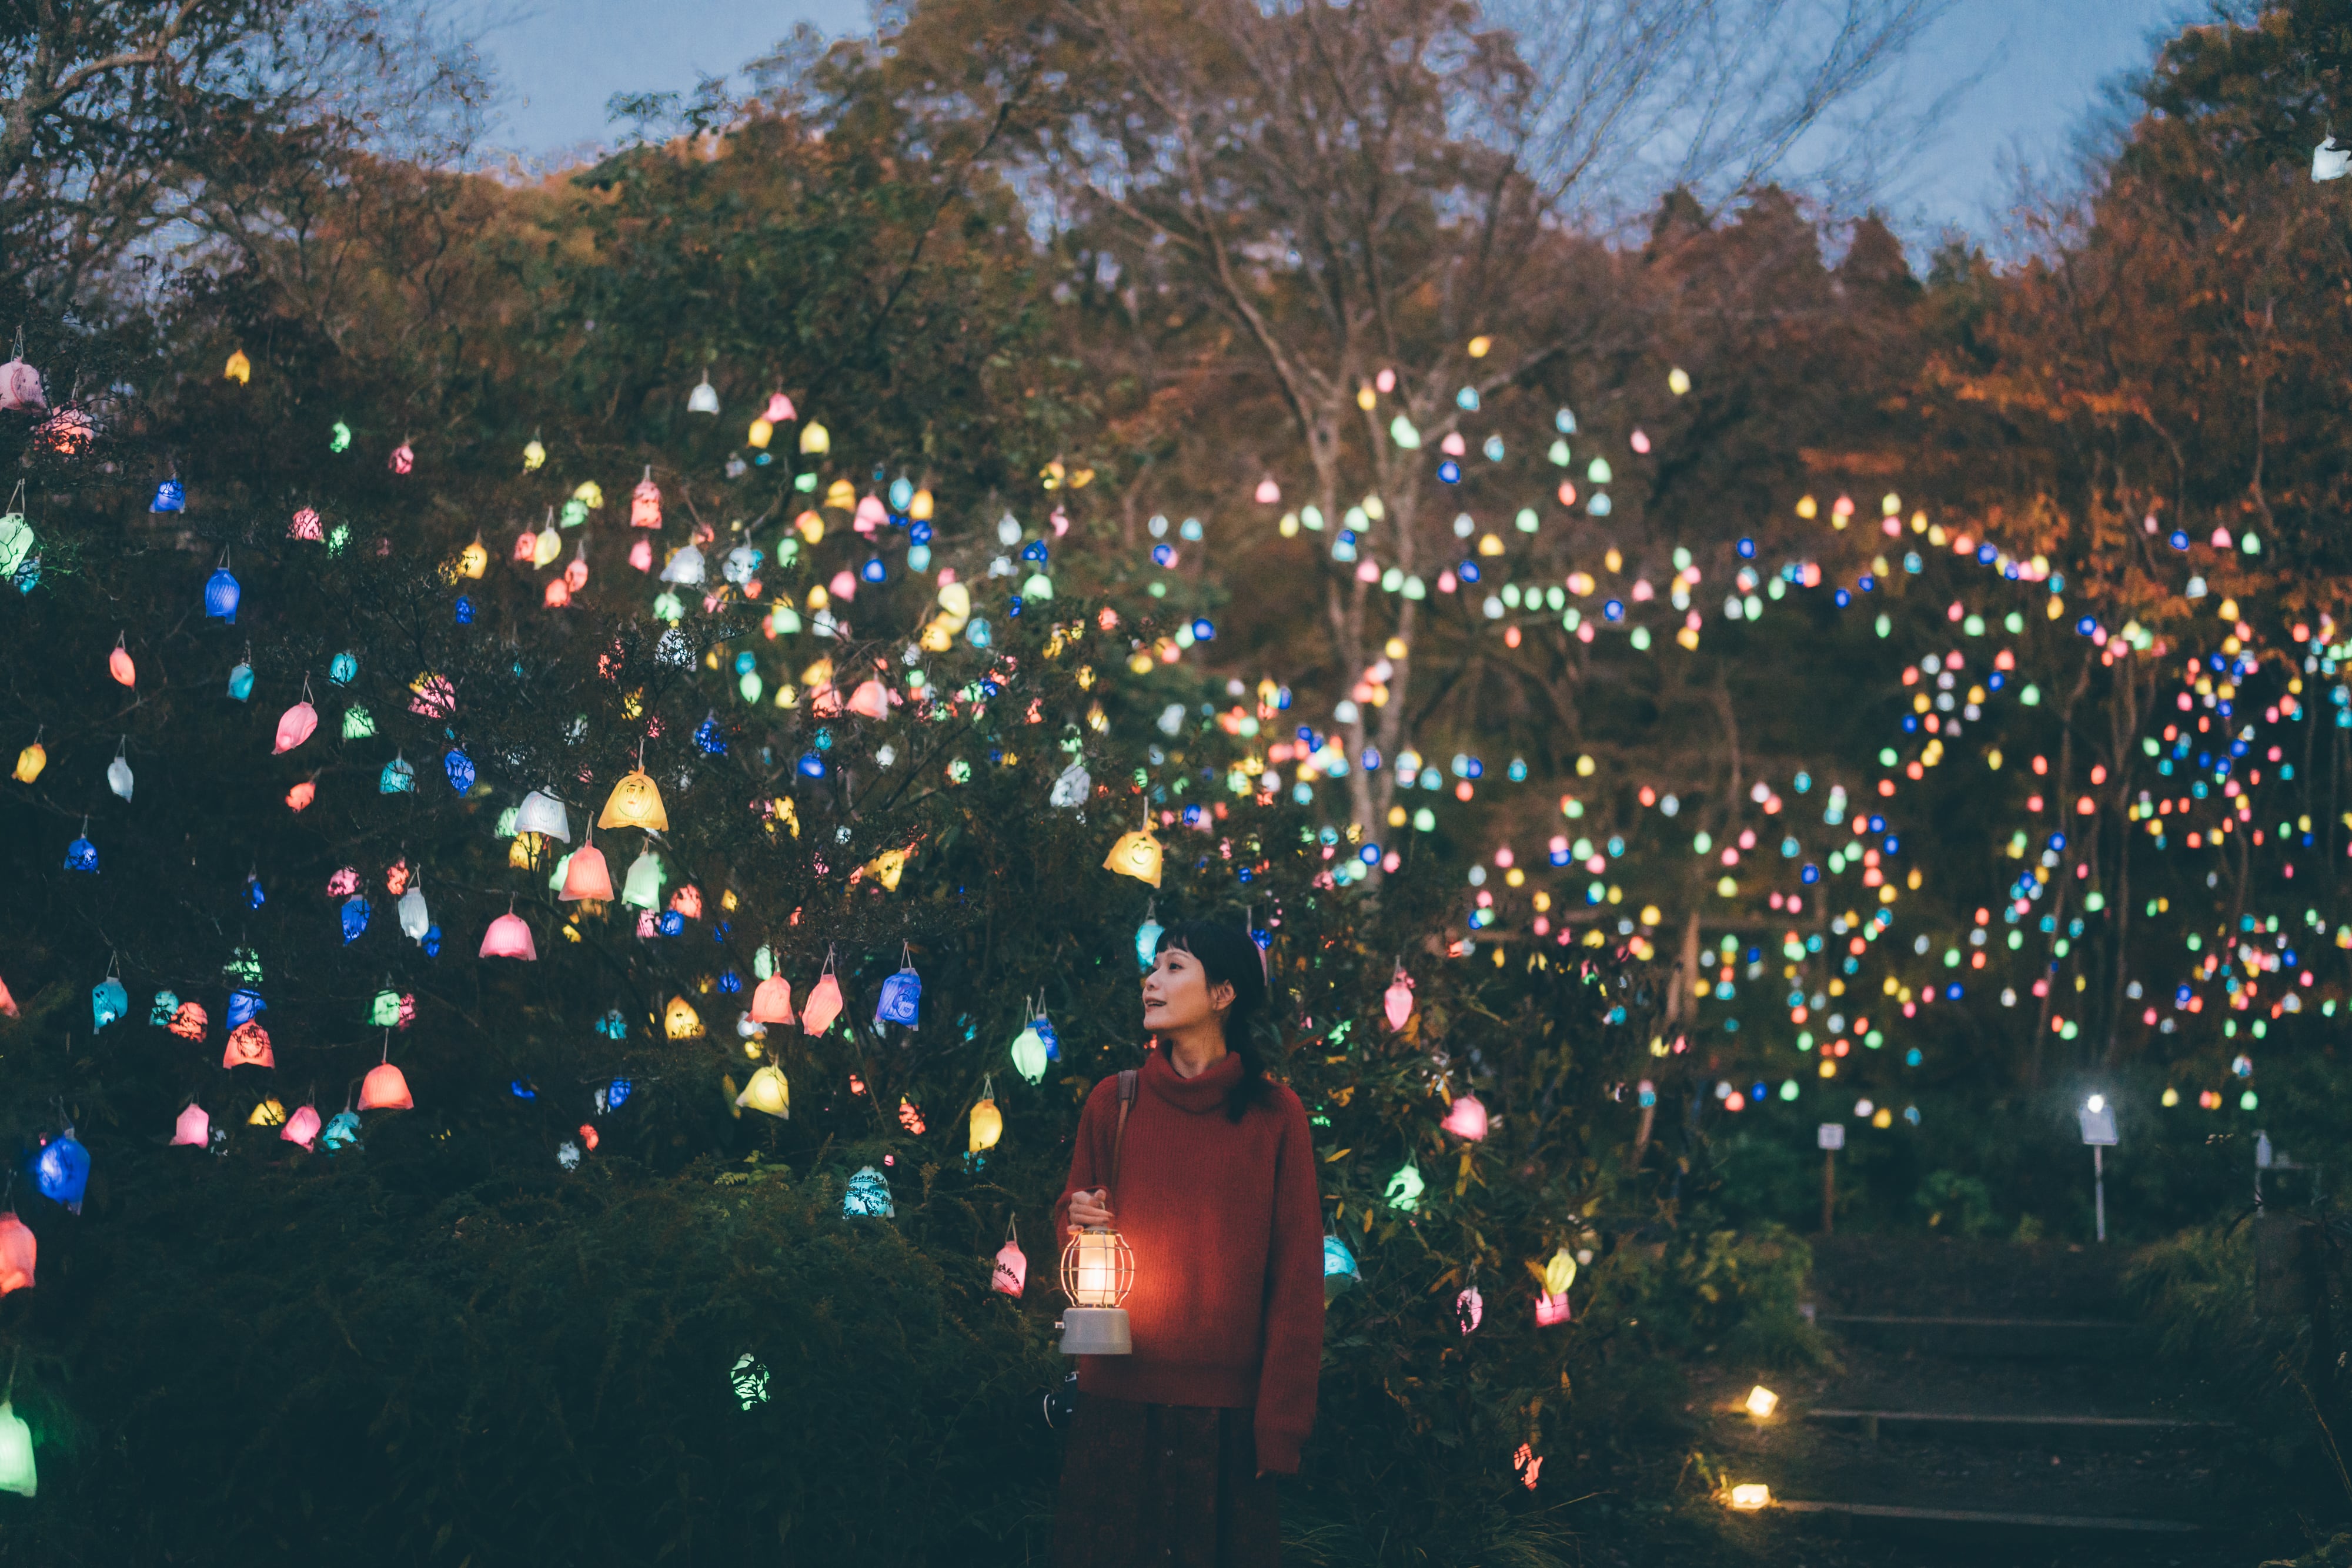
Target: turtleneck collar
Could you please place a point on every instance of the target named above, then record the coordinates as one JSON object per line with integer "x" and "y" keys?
{"x": 1198, "y": 1095}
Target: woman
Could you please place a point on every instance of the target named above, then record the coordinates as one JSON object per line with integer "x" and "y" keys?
{"x": 1173, "y": 1451}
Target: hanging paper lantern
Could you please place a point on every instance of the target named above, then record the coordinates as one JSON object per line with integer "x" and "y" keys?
{"x": 815, "y": 440}
{"x": 1396, "y": 1003}
{"x": 18, "y": 1251}
{"x": 508, "y": 937}
{"x": 16, "y": 1472}
{"x": 108, "y": 1003}
{"x": 1404, "y": 1188}
{"x": 61, "y": 1170}
{"x": 474, "y": 560}
{"x": 868, "y": 1196}
{"x": 872, "y": 699}
{"x": 269, "y": 1114}
{"x": 1029, "y": 1054}
{"x": 302, "y": 1127}
{"x": 432, "y": 695}
{"x": 460, "y": 768}
{"x": 243, "y": 1005}
{"x": 1011, "y": 1276}
{"x": 240, "y": 682}
{"x": 239, "y": 370}
{"x": 1072, "y": 787}
{"x": 823, "y": 1003}
{"x": 299, "y": 797}
{"x": 16, "y": 542}
{"x": 384, "y": 1009}
{"x": 1340, "y": 1274}
{"x": 1045, "y": 1028}
{"x": 1466, "y": 1118}
{"x": 248, "y": 1046}
{"x": 221, "y": 595}
{"x": 772, "y": 1000}
{"x": 171, "y": 495}
{"x": 686, "y": 567}
{"x": 634, "y": 803}
{"x": 118, "y": 776}
{"x": 1551, "y": 1310}
{"x": 1469, "y": 1309}
{"x": 546, "y": 546}
{"x": 118, "y": 666}
{"x": 160, "y": 1011}
{"x": 188, "y": 1020}
{"x": 30, "y": 761}
{"x": 413, "y": 920}
{"x": 585, "y": 875}
{"x": 910, "y": 1116}
{"x": 767, "y": 1093}
{"x": 343, "y": 1133}
{"x": 762, "y": 430}
{"x": 644, "y": 502}
{"x": 398, "y": 778}
{"x": 987, "y": 1125}
{"x": 295, "y": 727}
{"x": 383, "y": 1089}
{"x": 1559, "y": 1273}
{"x": 901, "y": 995}
{"x": 358, "y": 723}
{"x": 680, "y": 1021}
{"x": 780, "y": 410}
{"x": 703, "y": 399}
{"x": 354, "y": 918}
{"x": 1136, "y": 854}
{"x": 534, "y": 455}
{"x": 589, "y": 494}
{"x": 305, "y": 526}
{"x": 403, "y": 458}
{"x": 20, "y": 385}
{"x": 641, "y": 887}
{"x": 82, "y": 855}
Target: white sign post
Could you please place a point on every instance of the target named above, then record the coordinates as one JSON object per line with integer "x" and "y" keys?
{"x": 2098, "y": 1123}
{"x": 1831, "y": 1139}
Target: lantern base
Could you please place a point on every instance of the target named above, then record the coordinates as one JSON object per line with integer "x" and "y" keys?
{"x": 1096, "y": 1331}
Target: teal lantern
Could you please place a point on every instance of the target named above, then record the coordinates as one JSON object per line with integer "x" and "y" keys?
{"x": 343, "y": 1133}
{"x": 749, "y": 1380}
{"x": 240, "y": 682}
{"x": 1147, "y": 938}
{"x": 868, "y": 1195}
{"x": 1340, "y": 1272}
{"x": 167, "y": 1006}
{"x": 397, "y": 778}
{"x": 343, "y": 669}
{"x": 108, "y": 1003}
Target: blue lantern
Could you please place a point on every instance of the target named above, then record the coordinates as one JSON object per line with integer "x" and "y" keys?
{"x": 171, "y": 495}
{"x": 81, "y": 855}
{"x": 397, "y": 778}
{"x": 61, "y": 1170}
{"x": 616, "y": 1094}
{"x": 522, "y": 1090}
{"x": 901, "y": 993}
{"x": 240, "y": 682}
{"x": 343, "y": 1133}
{"x": 432, "y": 943}
{"x": 709, "y": 737}
{"x": 242, "y": 1005}
{"x": 254, "y": 897}
{"x": 465, "y": 610}
{"x": 1045, "y": 1028}
{"x": 977, "y": 634}
{"x": 108, "y": 1001}
{"x": 355, "y": 917}
{"x": 342, "y": 669}
{"x": 221, "y": 594}
{"x": 867, "y": 1195}
{"x": 1203, "y": 629}
{"x": 167, "y": 1006}
{"x": 670, "y": 923}
{"x": 811, "y": 765}
{"x": 1340, "y": 1272}
{"x": 461, "y": 771}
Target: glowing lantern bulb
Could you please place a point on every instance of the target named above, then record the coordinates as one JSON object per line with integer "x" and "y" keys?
{"x": 772, "y": 1000}
{"x": 221, "y": 596}
{"x": 295, "y": 726}
{"x": 302, "y": 1127}
{"x": 1136, "y": 854}
{"x": 823, "y": 1005}
{"x": 1470, "y": 1308}
{"x": 239, "y": 370}
{"x": 1012, "y": 1275}
{"x": 194, "y": 1129}
{"x": 1098, "y": 1271}
{"x": 1559, "y": 1273}
{"x": 1749, "y": 1496}
{"x": 987, "y": 1125}
{"x": 17, "y": 1473}
{"x": 18, "y": 1251}
{"x": 815, "y": 440}
{"x": 1146, "y": 939}
{"x": 767, "y": 1093}
{"x": 1466, "y": 1118}
{"x": 118, "y": 666}
{"x": 1761, "y": 1401}
{"x": 585, "y": 874}
{"x": 1396, "y": 1003}
{"x": 634, "y": 803}
{"x": 510, "y": 937}
{"x": 385, "y": 1088}
{"x": 30, "y": 761}
{"x": 1029, "y": 1054}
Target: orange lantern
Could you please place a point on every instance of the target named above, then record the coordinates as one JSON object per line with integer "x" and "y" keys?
{"x": 17, "y": 1251}
{"x": 587, "y": 877}
{"x": 119, "y": 665}
{"x": 644, "y": 502}
{"x": 301, "y": 795}
{"x": 558, "y": 594}
{"x": 248, "y": 1046}
{"x": 383, "y": 1089}
{"x": 871, "y": 699}
{"x": 687, "y": 901}
{"x": 823, "y": 1003}
{"x": 189, "y": 1021}
{"x": 634, "y": 803}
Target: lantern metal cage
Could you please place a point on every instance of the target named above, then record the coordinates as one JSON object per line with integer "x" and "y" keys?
{"x": 1098, "y": 1271}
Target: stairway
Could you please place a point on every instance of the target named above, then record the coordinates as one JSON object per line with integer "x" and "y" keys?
{"x": 1993, "y": 1402}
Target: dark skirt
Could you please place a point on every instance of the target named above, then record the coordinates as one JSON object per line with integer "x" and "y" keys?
{"x": 1167, "y": 1486}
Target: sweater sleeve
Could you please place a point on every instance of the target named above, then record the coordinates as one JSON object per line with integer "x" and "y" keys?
{"x": 1090, "y": 1150}
{"x": 1294, "y": 1300}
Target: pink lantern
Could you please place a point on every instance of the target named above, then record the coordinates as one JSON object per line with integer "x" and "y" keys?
{"x": 1551, "y": 1309}
{"x": 587, "y": 877}
{"x": 641, "y": 555}
{"x": 772, "y": 1000}
{"x": 305, "y": 526}
{"x": 1396, "y": 1003}
{"x": 510, "y": 937}
{"x": 344, "y": 883}
{"x": 1641, "y": 443}
{"x": 403, "y": 458}
{"x": 118, "y": 666}
{"x": 869, "y": 515}
{"x": 575, "y": 573}
{"x": 559, "y": 592}
{"x": 644, "y": 503}
{"x": 1012, "y": 1274}
{"x": 296, "y": 724}
{"x": 526, "y": 546}
{"x": 1470, "y": 1307}
{"x": 871, "y": 699}
{"x": 432, "y": 695}
{"x": 779, "y": 409}
{"x": 843, "y": 587}
{"x": 383, "y": 1089}
{"x": 7, "y": 1002}
{"x": 1268, "y": 493}
{"x": 20, "y": 386}
{"x": 248, "y": 1046}
{"x": 823, "y": 1003}
{"x": 194, "y": 1130}
{"x": 301, "y": 795}
{"x": 17, "y": 1251}
{"x": 1466, "y": 1119}
{"x": 302, "y": 1127}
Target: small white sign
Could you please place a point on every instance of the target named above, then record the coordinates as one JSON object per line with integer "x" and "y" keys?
{"x": 1832, "y": 1136}
{"x": 2099, "y": 1125}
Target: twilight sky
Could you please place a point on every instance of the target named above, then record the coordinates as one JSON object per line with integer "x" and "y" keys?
{"x": 2042, "y": 63}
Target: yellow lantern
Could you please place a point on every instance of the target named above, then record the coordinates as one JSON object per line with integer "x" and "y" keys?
{"x": 1559, "y": 1273}
{"x": 1137, "y": 854}
{"x": 1761, "y": 1402}
{"x": 987, "y": 1125}
{"x": 590, "y": 495}
{"x": 811, "y": 527}
{"x": 30, "y": 761}
{"x": 919, "y": 508}
{"x": 634, "y": 803}
{"x": 1098, "y": 1271}
{"x": 1749, "y": 1496}
{"x": 269, "y": 1114}
{"x": 767, "y": 1093}
{"x": 239, "y": 370}
{"x": 474, "y": 560}
{"x": 680, "y": 1021}
{"x": 814, "y": 439}
{"x": 760, "y": 433}
{"x": 841, "y": 495}
{"x": 886, "y": 867}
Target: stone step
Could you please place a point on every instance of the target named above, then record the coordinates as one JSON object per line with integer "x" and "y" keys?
{"x": 2026, "y": 1431}
{"x": 1979, "y": 1525}
{"x": 2015, "y": 1339}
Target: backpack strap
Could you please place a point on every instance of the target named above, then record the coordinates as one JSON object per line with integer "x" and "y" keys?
{"x": 1127, "y": 1081}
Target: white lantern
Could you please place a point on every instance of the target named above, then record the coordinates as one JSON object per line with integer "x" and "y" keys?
{"x": 543, "y": 814}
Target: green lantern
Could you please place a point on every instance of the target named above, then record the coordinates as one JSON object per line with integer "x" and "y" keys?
{"x": 17, "y": 1474}
{"x": 358, "y": 723}
{"x": 1029, "y": 1053}
{"x": 644, "y": 884}
{"x": 384, "y": 1012}
{"x": 1404, "y": 1188}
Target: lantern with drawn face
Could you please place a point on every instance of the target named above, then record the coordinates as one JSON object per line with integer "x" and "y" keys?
{"x": 634, "y": 802}
{"x": 1136, "y": 854}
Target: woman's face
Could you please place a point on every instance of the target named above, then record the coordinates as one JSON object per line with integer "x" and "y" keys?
{"x": 1177, "y": 994}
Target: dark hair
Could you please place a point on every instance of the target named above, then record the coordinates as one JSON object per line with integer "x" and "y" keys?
{"x": 1229, "y": 955}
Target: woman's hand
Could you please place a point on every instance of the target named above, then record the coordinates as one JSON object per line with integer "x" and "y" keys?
{"x": 1089, "y": 1208}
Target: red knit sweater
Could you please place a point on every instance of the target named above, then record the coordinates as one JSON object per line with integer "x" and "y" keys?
{"x": 1227, "y": 1232}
